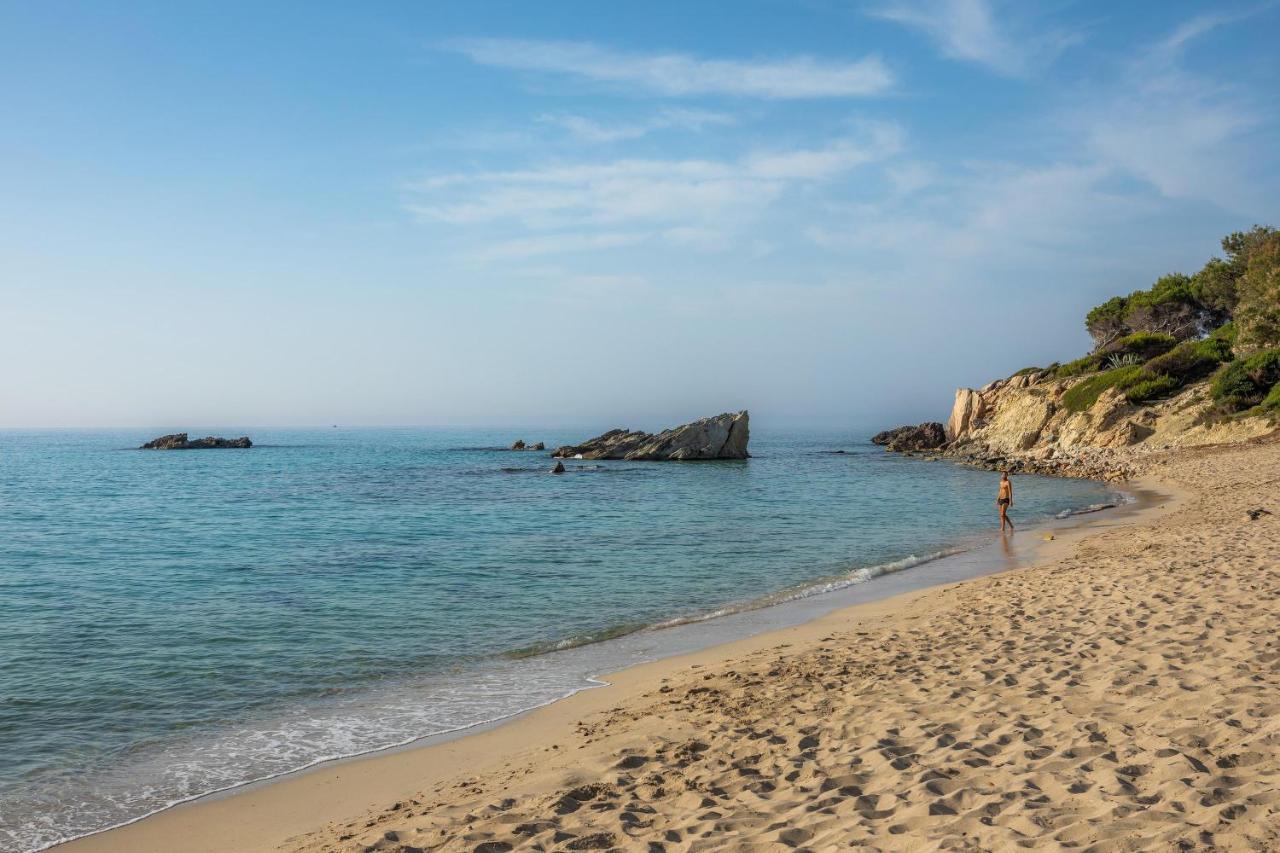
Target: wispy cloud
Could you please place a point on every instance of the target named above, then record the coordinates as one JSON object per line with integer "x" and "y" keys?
{"x": 1197, "y": 26}
{"x": 643, "y": 191}
{"x": 971, "y": 31}
{"x": 984, "y": 211}
{"x": 1185, "y": 133}
{"x": 592, "y": 130}
{"x": 557, "y": 244}
{"x": 678, "y": 74}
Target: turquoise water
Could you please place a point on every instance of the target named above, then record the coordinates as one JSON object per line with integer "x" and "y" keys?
{"x": 180, "y": 622}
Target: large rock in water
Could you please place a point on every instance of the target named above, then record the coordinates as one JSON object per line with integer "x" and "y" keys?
{"x": 722, "y": 437}
{"x": 178, "y": 441}
{"x": 926, "y": 436}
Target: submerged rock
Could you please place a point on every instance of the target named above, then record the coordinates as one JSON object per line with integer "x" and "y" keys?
{"x": 721, "y": 437}
{"x": 179, "y": 441}
{"x": 927, "y": 436}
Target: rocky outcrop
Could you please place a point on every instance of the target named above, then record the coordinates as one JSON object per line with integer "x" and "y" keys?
{"x": 1021, "y": 424}
{"x": 965, "y": 412}
{"x": 721, "y": 437}
{"x": 926, "y": 436}
{"x": 179, "y": 441}
{"x": 520, "y": 445}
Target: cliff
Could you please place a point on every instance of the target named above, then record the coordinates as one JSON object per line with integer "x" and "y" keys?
{"x": 1023, "y": 424}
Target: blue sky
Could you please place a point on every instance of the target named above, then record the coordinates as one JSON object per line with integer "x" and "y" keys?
{"x": 490, "y": 213}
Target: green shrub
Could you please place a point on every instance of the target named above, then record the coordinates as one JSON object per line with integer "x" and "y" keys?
{"x": 1191, "y": 360}
{"x": 1149, "y": 387}
{"x": 1226, "y": 333}
{"x": 1079, "y": 367}
{"x": 1246, "y": 382}
{"x": 1144, "y": 345}
{"x": 1082, "y": 395}
{"x": 1024, "y": 371}
{"x": 1271, "y": 403}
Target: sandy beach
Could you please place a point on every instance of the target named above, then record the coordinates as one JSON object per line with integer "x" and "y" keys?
{"x": 1122, "y": 694}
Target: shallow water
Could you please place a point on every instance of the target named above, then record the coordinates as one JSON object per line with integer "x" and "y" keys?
{"x": 180, "y": 622}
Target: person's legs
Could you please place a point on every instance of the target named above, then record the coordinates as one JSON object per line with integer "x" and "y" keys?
{"x": 1004, "y": 517}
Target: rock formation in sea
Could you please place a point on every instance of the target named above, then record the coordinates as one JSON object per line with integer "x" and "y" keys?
{"x": 178, "y": 441}
{"x": 721, "y": 437}
{"x": 520, "y": 445}
{"x": 927, "y": 436}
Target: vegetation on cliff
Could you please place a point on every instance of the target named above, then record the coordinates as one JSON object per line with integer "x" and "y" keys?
{"x": 1185, "y": 329}
{"x": 1189, "y": 361}
{"x": 1249, "y": 382}
{"x": 1245, "y": 284}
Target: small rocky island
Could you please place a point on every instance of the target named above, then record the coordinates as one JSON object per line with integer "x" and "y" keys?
{"x": 179, "y": 441}
{"x": 721, "y": 437}
{"x": 520, "y": 445}
{"x": 927, "y": 436}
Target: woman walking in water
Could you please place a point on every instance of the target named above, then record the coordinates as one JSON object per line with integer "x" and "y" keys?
{"x": 1004, "y": 500}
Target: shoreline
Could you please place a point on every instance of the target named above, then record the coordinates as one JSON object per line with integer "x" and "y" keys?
{"x": 265, "y": 813}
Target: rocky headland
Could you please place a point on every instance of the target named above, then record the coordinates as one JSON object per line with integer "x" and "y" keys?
{"x": 1023, "y": 424}
{"x": 179, "y": 441}
{"x": 1191, "y": 361}
{"x": 1027, "y": 423}
{"x": 721, "y": 437}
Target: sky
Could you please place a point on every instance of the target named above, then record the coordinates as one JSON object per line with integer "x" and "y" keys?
{"x": 831, "y": 212}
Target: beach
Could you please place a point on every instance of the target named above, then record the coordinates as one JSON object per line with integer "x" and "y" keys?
{"x": 1121, "y": 694}
{"x": 334, "y": 593}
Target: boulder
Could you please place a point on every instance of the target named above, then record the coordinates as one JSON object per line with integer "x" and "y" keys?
{"x": 966, "y": 410}
{"x": 926, "y": 436}
{"x": 518, "y": 445}
{"x": 179, "y": 441}
{"x": 721, "y": 437}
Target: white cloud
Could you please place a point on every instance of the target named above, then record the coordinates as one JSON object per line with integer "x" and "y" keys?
{"x": 657, "y": 192}
{"x": 969, "y": 30}
{"x": 594, "y": 131}
{"x": 1185, "y": 134}
{"x": 988, "y": 213}
{"x": 557, "y": 244}
{"x": 678, "y": 74}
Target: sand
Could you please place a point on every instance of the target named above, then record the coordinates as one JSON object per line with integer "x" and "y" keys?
{"x": 1123, "y": 694}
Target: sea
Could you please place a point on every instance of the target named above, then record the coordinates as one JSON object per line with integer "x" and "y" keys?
{"x": 178, "y": 623}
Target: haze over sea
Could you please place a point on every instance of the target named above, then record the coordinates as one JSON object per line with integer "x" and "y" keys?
{"x": 180, "y": 622}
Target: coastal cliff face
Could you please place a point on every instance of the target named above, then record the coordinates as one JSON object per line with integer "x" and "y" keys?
{"x": 721, "y": 437}
{"x": 1022, "y": 423}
